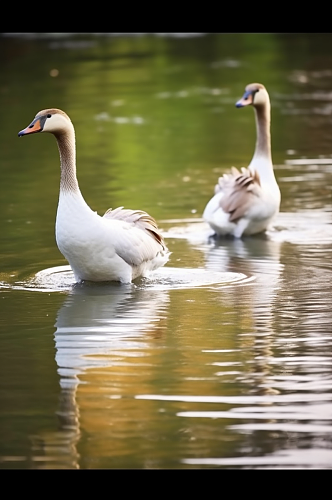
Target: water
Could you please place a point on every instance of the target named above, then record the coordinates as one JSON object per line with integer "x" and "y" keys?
{"x": 221, "y": 359}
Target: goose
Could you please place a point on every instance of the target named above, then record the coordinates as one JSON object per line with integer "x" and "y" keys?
{"x": 119, "y": 246}
{"x": 245, "y": 202}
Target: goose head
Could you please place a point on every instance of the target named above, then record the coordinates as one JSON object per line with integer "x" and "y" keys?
{"x": 255, "y": 94}
{"x": 50, "y": 120}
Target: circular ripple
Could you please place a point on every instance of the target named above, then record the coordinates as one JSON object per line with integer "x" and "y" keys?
{"x": 174, "y": 278}
{"x": 61, "y": 278}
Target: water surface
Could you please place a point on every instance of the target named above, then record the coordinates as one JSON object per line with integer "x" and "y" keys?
{"x": 222, "y": 358}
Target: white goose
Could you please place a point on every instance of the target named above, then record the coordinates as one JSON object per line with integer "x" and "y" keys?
{"x": 246, "y": 202}
{"x": 120, "y": 246}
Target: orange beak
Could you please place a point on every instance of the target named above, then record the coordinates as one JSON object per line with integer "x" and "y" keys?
{"x": 35, "y": 126}
{"x": 245, "y": 100}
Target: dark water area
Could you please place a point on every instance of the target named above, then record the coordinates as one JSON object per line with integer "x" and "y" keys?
{"x": 222, "y": 359}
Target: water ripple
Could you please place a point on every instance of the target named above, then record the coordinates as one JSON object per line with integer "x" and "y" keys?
{"x": 286, "y": 398}
{"x": 61, "y": 278}
{"x": 313, "y": 458}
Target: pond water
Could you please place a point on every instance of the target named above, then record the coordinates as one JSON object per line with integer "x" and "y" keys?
{"x": 222, "y": 359}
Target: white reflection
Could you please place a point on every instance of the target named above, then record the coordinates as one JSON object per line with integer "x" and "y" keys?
{"x": 314, "y": 458}
{"x": 255, "y": 257}
{"x": 98, "y": 326}
{"x": 254, "y": 300}
{"x": 97, "y": 321}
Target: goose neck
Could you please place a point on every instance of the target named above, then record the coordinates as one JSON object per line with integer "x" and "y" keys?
{"x": 67, "y": 150}
{"x": 263, "y": 133}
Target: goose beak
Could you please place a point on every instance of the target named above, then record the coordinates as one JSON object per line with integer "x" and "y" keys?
{"x": 245, "y": 100}
{"x": 35, "y": 126}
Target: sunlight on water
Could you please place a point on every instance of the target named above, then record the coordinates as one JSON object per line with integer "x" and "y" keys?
{"x": 297, "y": 227}
{"x": 309, "y": 161}
{"x": 310, "y": 227}
{"x": 312, "y": 459}
{"x": 238, "y": 399}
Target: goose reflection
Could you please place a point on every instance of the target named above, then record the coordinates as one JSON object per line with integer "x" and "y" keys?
{"x": 95, "y": 321}
{"x": 254, "y": 301}
{"x": 102, "y": 334}
{"x": 258, "y": 257}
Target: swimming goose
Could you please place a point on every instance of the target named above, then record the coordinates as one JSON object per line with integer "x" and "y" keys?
{"x": 119, "y": 246}
{"x": 245, "y": 202}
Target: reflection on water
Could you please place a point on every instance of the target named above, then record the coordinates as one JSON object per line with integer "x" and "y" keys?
{"x": 103, "y": 335}
{"x": 106, "y": 355}
{"x": 100, "y": 330}
{"x": 95, "y": 321}
{"x": 291, "y": 383}
{"x": 304, "y": 459}
{"x": 182, "y": 358}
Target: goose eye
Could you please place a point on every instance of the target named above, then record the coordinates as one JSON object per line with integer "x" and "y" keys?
{"x": 49, "y": 115}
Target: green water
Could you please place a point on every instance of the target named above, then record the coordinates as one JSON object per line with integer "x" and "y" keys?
{"x": 117, "y": 377}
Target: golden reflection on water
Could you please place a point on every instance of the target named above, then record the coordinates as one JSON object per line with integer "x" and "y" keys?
{"x": 111, "y": 341}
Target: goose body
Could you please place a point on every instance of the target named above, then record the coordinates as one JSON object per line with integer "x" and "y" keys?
{"x": 245, "y": 202}
{"x": 121, "y": 245}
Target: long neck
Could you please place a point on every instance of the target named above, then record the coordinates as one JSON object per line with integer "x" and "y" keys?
{"x": 67, "y": 150}
{"x": 263, "y": 140}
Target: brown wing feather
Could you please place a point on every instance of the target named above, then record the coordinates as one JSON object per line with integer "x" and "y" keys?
{"x": 139, "y": 218}
{"x": 239, "y": 188}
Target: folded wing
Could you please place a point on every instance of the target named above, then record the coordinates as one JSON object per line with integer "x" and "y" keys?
{"x": 139, "y": 239}
{"x": 239, "y": 189}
